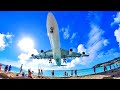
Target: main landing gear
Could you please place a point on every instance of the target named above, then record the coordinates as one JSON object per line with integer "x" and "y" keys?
{"x": 64, "y": 60}
{"x": 50, "y": 61}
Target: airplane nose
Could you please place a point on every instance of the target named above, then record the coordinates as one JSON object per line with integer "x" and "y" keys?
{"x": 50, "y": 16}
{"x": 51, "y": 23}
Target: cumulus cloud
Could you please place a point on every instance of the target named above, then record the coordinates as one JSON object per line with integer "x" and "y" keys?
{"x": 108, "y": 55}
{"x": 72, "y": 37}
{"x": 65, "y": 31}
{"x": 106, "y": 42}
{"x": 27, "y": 47}
{"x": 25, "y": 57}
{"x": 67, "y": 35}
{"x": 5, "y": 40}
{"x": 10, "y": 62}
{"x": 94, "y": 45}
{"x": 117, "y": 31}
{"x": 81, "y": 48}
{"x": 116, "y": 19}
{"x": 117, "y": 35}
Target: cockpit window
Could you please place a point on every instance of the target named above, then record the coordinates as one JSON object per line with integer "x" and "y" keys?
{"x": 51, "y": 29}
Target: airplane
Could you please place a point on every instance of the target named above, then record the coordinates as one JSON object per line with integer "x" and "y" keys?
{"x": 56, "y": 52}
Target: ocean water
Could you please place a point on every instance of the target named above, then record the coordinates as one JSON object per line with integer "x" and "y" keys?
{"x": 60, "y": 73}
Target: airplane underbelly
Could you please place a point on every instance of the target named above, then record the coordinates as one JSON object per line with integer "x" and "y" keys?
{"x": 53, "y": 34}
{"x": 55, "y": 44}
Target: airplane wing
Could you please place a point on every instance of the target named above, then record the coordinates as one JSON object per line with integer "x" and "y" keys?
{"x": 66, "y": 54}
{"x": 43, "y": 55}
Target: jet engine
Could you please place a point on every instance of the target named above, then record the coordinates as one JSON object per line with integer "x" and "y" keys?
{"x": 32, "y": 55}
{"x": 42, "y": 52}
{"x": 83, "y": 53}
{"x": 70, "y": 52}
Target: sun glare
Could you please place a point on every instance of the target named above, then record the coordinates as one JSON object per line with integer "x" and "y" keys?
{"x": 26, "y": 44}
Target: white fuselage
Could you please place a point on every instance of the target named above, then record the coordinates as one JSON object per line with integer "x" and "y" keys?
{"x": 54, "y": 38}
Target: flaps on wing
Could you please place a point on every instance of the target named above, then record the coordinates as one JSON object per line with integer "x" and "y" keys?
{"x": 71, "y": 54}
{"x": 43, "y": 55}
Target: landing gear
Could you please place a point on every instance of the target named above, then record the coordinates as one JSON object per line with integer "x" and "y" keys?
{"x": 64, "y": 60}
{"x": 50, "y": 61}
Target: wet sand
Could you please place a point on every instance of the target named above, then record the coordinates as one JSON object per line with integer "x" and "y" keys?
{"x": 111, "y": 74}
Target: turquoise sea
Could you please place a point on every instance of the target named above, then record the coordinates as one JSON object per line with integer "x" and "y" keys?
{"x": 60, "y": 73}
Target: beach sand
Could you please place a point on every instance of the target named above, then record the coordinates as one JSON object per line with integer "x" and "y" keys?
{"x": 111, "y": 74}
{"x": 12, "y": 75}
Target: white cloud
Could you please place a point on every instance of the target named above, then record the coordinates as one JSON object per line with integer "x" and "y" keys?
{"x": 10, "y": 62}
{"x": 5, "y": 40}
{"x": 24, "y": 58}
{"x": 72, "y": 37}
{"x": 116, "y": 19}
{"x": 94, "y": 45}
{"x": 106, "y": 42}
{"x": 94, "y": 17}
{"x": 65, "y": 31}
{"x": 81, "y": 48}
{"x": 117, "y": 35}
{"x": 26, "y": 44}
{"x": 108, "y": 55}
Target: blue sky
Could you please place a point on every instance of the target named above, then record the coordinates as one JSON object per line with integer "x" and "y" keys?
{"x": 95, "y": 32}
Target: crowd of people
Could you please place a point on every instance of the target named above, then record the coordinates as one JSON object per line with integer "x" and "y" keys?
{"x": 40, "y": 72}
{"x": 29, "y": 75}
{"x": 7, "y": 68}
{"x": 66, "y": 73}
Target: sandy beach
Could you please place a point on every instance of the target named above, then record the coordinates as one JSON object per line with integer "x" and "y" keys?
{"x": 111, "y": 74}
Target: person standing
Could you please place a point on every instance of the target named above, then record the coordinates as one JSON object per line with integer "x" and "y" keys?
{"x": 52, "y": 73}
{"x": 65, "y": 73}
{"x": 6, "y": 68}
{"x": 0, "y": 66}
{"x": 75, "y": 72}
{"x": 23, "y": 74}
{"x": 21, "y": 68}
{"x": 94, "y": 69}
{"x": 9, "y": 68}
{"x": 29, "y": 73}
{"x": 104, "y": 68}
{"x": 110, "y": 67}
{"x": 71, "y": 72}
{"x": 39, "y": 73}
